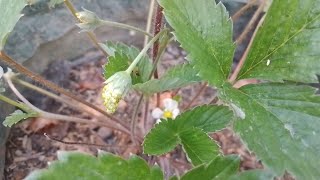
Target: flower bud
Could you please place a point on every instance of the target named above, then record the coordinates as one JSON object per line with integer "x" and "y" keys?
{"x": 89, "y": 20}
{"x": 116, "y": 87}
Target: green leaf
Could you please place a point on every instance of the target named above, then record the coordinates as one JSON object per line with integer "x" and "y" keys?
{"x": 121, "y": 57}
{"x": 281, "y": 125}
{"x": 189, "y": 129}
{"x": 198, "y": 146}
{"x": 75, "y": 165}
{"x": 18, "y": 116}
{"x": 218, "y": 168}
{"x": 176, "y": 77}
{"x": 286, "y": 46}
{"x": 253, "y": 175}
{"x": 204, "y": 30}
{"x": 10, "y": 14}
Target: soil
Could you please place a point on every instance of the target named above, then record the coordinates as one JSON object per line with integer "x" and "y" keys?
{"x": 28, "y": 149}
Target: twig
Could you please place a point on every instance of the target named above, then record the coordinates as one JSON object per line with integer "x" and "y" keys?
{"x": 86, "y": 144}
{"x": 244, "y": 56}
{"x": 201, "y": 90}
{"x": 54, "y": 87}
{"x": 65, "y": 100}
{"x": 90, "y": 34}
{"x": 48, "y": 115}
{"x": 242, "y": 10}
{"x": 250, "y": 24}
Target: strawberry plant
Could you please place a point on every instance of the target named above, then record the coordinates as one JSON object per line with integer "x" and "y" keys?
{"x": 277, "y": 118}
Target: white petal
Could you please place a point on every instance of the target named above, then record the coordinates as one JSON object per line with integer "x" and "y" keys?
{"x": 170, "y": 104}
{"x": 157, "y": 113}
{"x": 175, "y": 113}
{"x": 1, "y": 71}
{"x": 158, "y": 121}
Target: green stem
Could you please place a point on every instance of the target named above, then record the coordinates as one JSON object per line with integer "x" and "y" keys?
{"x": 125, "y": 26}
{"x": 143, "y": 52}
{"x": 12, "y": 102}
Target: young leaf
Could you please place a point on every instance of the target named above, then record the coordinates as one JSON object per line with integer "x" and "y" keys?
{"x": 75, "y": 165}
{"x": 176, "y": 77}
{"x": 121, "y": 57}
{"x": 281, "y": 126}
{"x": 189, "y": 130}
{"x": 10, "y": 14}
{"x": 204, "y": 30}
{"x": 286, "y": 46}
{"x": 218, "y": 168}
{"x": 18, "y": 116}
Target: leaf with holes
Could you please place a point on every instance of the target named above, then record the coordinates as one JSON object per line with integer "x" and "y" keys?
{"x": 10, "y": 14}
{"x": 287, "y": 45}
{"x": 189, "y": 129}
{"x": 76, "y": 165}
{"x": 121, "y": 57}
{"x": 204, "y": 30}
{"x": 18, "y": 116}
{"x": 176, "y": 77}
{"x": 281, "y": 125}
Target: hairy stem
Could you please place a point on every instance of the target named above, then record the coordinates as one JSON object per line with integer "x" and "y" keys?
{"x": 125, "y": 26}
{"x": 134, "y": 119}
{"x": 12, "y": 102}
{"x": 92, "y": 37}
{"x": 157, "y": 28}
{"x": 143, "y": 52}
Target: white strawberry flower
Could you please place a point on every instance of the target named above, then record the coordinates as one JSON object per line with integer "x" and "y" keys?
{"x": 170, "y": 110}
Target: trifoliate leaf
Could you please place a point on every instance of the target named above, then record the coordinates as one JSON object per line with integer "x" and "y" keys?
{"x": 189, "y": 129}
{"x": 204, "y": 30}
{"x": 76, "y": 165}
{"x": 218, "y": 168}
{"x": 121, "y": 57}
{"x": 176, "y": 77}
{"x": 287, "y": 45}
{"x": 18, "y": 116}
{"x": 10, "y": 14}
{"x": 281, "y": 126}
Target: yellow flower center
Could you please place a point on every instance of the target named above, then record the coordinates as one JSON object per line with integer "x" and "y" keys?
{"x": 167, "y": 114}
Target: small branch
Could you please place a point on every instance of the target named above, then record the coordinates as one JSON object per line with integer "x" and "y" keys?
{"x": 86, "y": 144}
{"x": 250, "y": 25}
{"x": 157, "y": 28}
{"x": 242, "y": 10}
{"x": 90, "y": 34}
{"x": 64, "y": 100}
{"x": 201, "y": 90}
{"x": 149, "y": 21}
{"x": 48, "y": 115}
{"x": 235, "y": 73}
{"x": 54, "y": 87}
